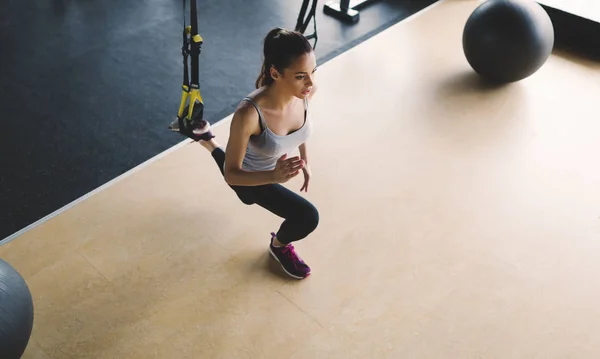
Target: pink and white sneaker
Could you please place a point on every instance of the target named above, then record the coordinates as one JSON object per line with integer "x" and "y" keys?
{"x": 291, "y": 263}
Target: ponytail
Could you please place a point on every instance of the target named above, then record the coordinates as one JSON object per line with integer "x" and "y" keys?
{"x": 280, "y": 49}
{"x": 264, "y": 78}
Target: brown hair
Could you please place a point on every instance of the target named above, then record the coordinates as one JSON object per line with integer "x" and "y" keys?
{"x": 281, "y": 47}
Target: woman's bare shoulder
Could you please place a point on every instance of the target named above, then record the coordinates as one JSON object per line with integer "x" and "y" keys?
{"x": 245, "y": 118}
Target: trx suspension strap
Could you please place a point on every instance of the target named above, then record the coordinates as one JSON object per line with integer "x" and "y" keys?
{"x": 302, "y": 22}
{"x": 190, "y": 114}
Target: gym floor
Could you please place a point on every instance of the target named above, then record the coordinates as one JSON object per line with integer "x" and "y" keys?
{"x": 457, "y": 221}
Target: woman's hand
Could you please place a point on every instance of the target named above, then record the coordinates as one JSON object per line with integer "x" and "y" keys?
{"x": 287, "y": 168}
{"x": 307, "y": 175}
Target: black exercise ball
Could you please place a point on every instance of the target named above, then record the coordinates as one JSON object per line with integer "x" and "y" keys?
{"x": 508, "y": 40}
{"x": 16, "y": 313}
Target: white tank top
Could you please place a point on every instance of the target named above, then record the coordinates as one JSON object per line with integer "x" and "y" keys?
{"x": 265, "y": 149}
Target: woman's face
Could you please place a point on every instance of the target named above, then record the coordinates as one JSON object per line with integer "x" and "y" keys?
{"x": 298, "y": 79}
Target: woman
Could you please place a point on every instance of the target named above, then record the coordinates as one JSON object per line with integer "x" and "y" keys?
{"x": 269, "y": 124}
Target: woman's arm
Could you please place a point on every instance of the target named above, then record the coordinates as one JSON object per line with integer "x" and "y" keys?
{"x": 306, "y": 169}
{"x": 303, "y": 153}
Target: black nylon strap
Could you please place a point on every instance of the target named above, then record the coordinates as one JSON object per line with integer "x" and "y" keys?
{"x": 184, "y": 50}
{"x": 300, "y": 23}
{"x": 304, "y": 19}
{"x": 191, "y": 47}
{"x": 195, "y": 46}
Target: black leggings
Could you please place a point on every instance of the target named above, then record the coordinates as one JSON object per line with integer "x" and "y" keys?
{"x": 300, "y": 216}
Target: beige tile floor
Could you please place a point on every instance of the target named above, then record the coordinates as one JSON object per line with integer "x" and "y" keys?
{"x": 457, "y": 221}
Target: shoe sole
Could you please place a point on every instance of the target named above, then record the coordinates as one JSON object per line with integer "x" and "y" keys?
{"x": 282, "y": 267}
{"x": 174, "y": 126}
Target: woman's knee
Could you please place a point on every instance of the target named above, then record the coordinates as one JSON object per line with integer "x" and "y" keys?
{"x": 244, "y": 194}
{"x": 309, "y": 218}
{"x": 245, "y": 200}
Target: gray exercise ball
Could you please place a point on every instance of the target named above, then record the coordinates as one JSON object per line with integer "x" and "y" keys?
{"x": 16, "y": 313}
{"x": 508, "y": 40}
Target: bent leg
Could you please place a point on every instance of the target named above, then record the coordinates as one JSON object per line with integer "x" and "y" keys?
{"x": 301, "y": 217}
